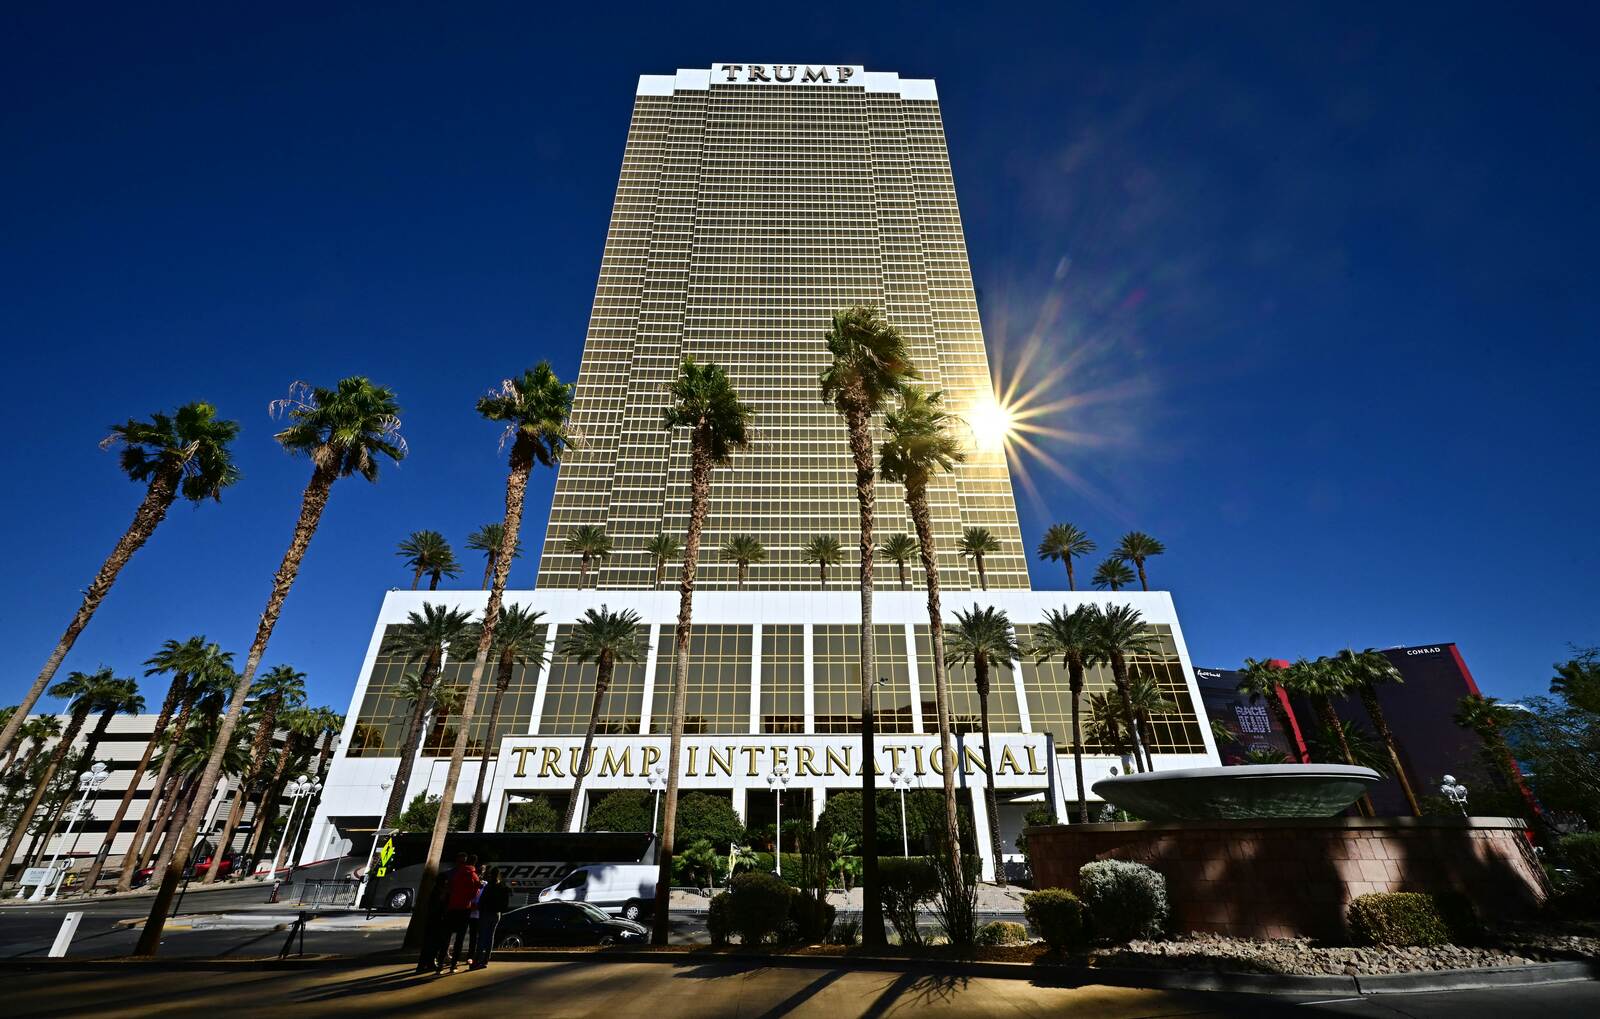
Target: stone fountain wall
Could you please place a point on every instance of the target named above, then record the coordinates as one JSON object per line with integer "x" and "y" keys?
{"x": 1288, "y": 878}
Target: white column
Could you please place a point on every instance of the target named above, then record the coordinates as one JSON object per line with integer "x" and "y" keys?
{"x": 755, "y": 679}
{"x": 578, "y": 814}
{"x": 810, "y": 683}
{"x": 543, "y": 686}
{"x": 914, "y": 678}
{"x": 1024, "y": 717}
{"x": 740, "y": 804}
{"x": 649, "y": 681}
{"x": 980, "y": 826}
{"x": 819, "y": 798}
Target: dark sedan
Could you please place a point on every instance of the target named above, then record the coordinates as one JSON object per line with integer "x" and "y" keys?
{"x": 565, "y": 923}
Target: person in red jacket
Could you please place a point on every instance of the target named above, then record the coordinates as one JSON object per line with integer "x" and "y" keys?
{"x": 464, "y": 882}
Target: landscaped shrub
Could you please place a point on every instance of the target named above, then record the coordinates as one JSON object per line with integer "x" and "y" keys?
{"x": 906, "y": 883}
{"x": 718, "y": 918}
{"x": 812, "y": 916}
{"x": 699, "y": 866}
{"x": 620, "y": 810}
{"x": 1582, "y": 855}
{"x": 1002, "y": 932}
{"x": 1125, "y": 900}
{"x": 1057, "y": 917}
{"x": 845, "y": 932}
{"x": 955, "y": 902}
{"x": 704, "y": 816}
{"x": 758, "y": 906}
{"x": 1402, "y": 919}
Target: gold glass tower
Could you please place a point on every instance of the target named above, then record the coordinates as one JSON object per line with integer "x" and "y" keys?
{"x": 754, "y": 202}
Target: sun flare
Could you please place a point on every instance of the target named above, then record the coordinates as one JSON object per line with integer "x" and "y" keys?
{"x": 992, "y": 423}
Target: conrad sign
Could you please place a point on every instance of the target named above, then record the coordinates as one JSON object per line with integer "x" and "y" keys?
{"x": 802, "y": 74}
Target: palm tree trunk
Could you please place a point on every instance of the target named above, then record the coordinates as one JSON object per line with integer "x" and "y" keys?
{"x": 904, "y": 583}
{"x": 57, "y": 755}
{"x": 661, "y": 569}
{"x": 521, "y": 465}
{"x": 1281, "y": 712}
{"x": 1119, "y": 674}
{"x": 1369, "y": 699}
{"x": 174, "y": 692}
{"x": 152, "y": 509}
{"x": 983, "y": 575}
{"x": 176, "y": 789}
{"x": 602, "y": 682}
{"x": 1330, "y": 718}
{"x": 312, "y": 503}
{"x": 1139, "y": 564}
{"x": 858, "y": 423}
{"x": 408, "y": 752}
{"x": 1075, "y": 686}
{"x": 488, "y": 570}
{"x": 266, "y": 804}
{"x": 1071, "y": 583}
{"x": 260, "y": 747}
{"x": 143, "y": 845}
{"x": 922, "y": 521}
{"x": 996, "y": 846}
{"x": 475, "y": 818}
{"x": 416, "y": 579}
{"x": 699, "y": 497}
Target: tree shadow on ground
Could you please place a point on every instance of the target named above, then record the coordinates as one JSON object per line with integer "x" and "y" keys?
{"x": 231, "y": 991}
{"x": 403, "y": 979}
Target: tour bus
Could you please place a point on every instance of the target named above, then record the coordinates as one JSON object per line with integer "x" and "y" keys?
{"x": 614, "y": 864}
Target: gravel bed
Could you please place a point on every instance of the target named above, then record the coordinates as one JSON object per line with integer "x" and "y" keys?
{"x": 1303, "y": 957}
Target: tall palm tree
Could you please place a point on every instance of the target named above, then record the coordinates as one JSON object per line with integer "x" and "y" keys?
{"x": 975, "y": 543}
{"x": 332, "y": 725}
{"x": 1147, "y": 698}
{"x": 117, "y": 697}
{"x": 982, "y": 636}
{"x": 343, "y": 431}
{"x": 1064, "y": 543}
{"x": 1135, "y": 548}
{"x": 1487, "y": 717}
{"x": 488, "y": 539}
{"x": 85, "y": 693}
{"x": 922, "y": 442}
{"x": 209, "y": 680}
{"x": 743, "y": 549}
{"x": 588, "y": 542}
{"x": 663, "y": 548}
{"x": 278, "y": 689}
{"x": 1261, "y": 680}
{"x": 1120, "y": 632}
{"x": 301, "y": 726}
{"x": 705, "y": 402}
{"x": 185, "y": 453}
{"x": 898, "y": 549}
{"x": 534, "y": 408}
{"x": 187, "y": 754}
{"x": 1320, "y": 682}
{"x": 428, "y": 554}
{"x": 604, "y": 638}
{"x": 36, "y": 732}
{"x": 1112, "y": 575}
{"x": 825, "y": 551}
{"x": 1107, "y": 727}
{"x": 518, "y": 640}
{"x": 424, "y": 638}
{"x": 1070, "y": 636}
{"x": 1366, "y": 671}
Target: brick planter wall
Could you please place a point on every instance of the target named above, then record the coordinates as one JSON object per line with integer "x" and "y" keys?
{"x": 1293, "y": 877}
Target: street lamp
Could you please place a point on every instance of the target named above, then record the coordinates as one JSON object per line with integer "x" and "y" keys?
{"x": 900, "y": 779}
{"x": 1455, "y": 792}
{"x": 657, "y": 780}
{"x": 300, "y": 792}
{"x": 778, "y": 778}
{"x": 88, "y": 782}
{"x": 377, "y": 833}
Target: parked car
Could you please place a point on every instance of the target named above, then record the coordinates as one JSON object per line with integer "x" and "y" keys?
{"x": 565, "y": 923}
{"x": 625, "y": 889}
{"x": 229, "y": 863}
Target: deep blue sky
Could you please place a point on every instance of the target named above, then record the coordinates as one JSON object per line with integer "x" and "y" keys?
{"x": 1325, "y": 276}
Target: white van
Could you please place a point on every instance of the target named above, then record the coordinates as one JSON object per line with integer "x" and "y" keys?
{"x": 627, "y": 889}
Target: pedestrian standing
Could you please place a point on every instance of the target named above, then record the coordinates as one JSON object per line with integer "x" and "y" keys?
{"x": 492, "y": 901}
{"x": 463, "y": 889}
{"x": 435, "y": 934}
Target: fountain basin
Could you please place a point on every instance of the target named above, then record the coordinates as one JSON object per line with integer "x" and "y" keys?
{"x": 1248, "y": 792}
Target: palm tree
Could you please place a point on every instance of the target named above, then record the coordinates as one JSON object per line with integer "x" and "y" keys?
{"x": 1120, "y": 632}
{"x": 488, "y": 539}
{"x": 85, "y": 693}
{"x": 209, "y": 675}
{"x": 922, "y": 442}
{"x": 1106, "y": 727}
{"x": 534, "y": 407}
{"x": 588, "y": 542}
{"x": 187, "y": 753}
{"x": 983, "y": 637}
{"x": 663, "y": 548}
{"x": 705, "y": 402}
{"x": 974, "y": 544}
{"x": 301, "y": 726}
{"x": 36, "y": 732}
{"x": 1260, "y": 680}
{"x": 1065, "y": 542}
{"x": 1365, "y": 750}
{"x": 1147, "y": 698}
{"x": 117, "y": 696}
{"x": 1070, "y": 636}
{"x": 1112, "y": 575}
{"x": 1487, "y": 717}
{"x": 1365, "y": 672}
{"x": 825, "y": 551}
{"x": 279, "y": 688}
{"x": 343, "y": 431}
{"x": 604, "y": 638}
{"x": 1135, "y": 548}
{"x": 185, "y": 453}
{"x": 898, "y": 549}
{"x": 743, "y": 549}
{"x": 1319, "y": 682}
{"x": 426, "y": 552}
{"x": 518, "y": 640}
{"x": 423, "y": 638}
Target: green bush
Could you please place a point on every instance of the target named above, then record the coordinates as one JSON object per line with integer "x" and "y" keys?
{"x": 1582, "y": 855}
{"x": 924, "y": 819}
{"x": 812, "y": 916}
{"x": 1125, "y": 900}
{"x": 845, "y": 932}
{"x": 423, "y": 810}
{"x": 758, "y": 906}
{"x": 534, "y": 814}
{"x": 699, "y": 866}
{"x": 719, "y": 919}
{"x": 1401, "y": 919}
{"x": 1002, "y": 932}
{"x": 1057, "y": 916}
{"x": 703, "y": 816}
{"x": 906, "y": 883}
{"x": 621, "y": 810}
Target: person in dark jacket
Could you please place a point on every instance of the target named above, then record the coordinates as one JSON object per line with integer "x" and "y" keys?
{"x": 463, "y": 890}
{"x": 492, "y": 901}
{"x": 435, "y": 933}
